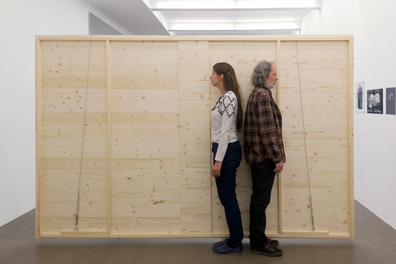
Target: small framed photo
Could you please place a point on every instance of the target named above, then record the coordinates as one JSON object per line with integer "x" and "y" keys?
{"x": 390, "y": 101}
{"x": 375, "y": 101}
{"x": 359, "y": 97}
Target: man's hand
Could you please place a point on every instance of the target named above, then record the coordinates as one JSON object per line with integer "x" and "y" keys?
{"x": 279, "y": 167}
{"x": 216, "y": 169}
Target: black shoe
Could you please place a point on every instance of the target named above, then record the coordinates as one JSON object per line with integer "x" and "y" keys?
{"x": 267, "y": 250}
{"x": 274, "y": 243}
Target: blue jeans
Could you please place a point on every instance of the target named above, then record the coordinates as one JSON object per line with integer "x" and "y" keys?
{"x": 226, "y": 189}
{"x": 263, "y": 176}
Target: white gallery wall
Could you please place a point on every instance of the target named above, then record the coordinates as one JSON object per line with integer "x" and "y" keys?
{"x": 373, "y": 25}
{"x": 20, "y": 21}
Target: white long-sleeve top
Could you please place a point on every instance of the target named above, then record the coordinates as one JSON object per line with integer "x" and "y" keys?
{"x": 224, "y": 123}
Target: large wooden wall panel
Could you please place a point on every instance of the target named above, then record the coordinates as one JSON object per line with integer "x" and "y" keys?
{"x": 321, "y": 69}
{"x": 146, "y": 163}
{"x": 195, "y": 196}
{"x": 145, "y": 138}
{"x": 64, "y": 92}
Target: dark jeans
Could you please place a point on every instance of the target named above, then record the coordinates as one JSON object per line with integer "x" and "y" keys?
{"x": 262, "y": 182}
{"x": 226, "y": 189}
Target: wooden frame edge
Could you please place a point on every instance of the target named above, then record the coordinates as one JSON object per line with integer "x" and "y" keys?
{"x": 179, "y": 139}
{"x": 351, "y": 137}
{"x": 38, "y": 136}
{"x": 147, "y": 38}
{"x": 279, "y": 98}
{"x": 72, "y": 234}
{"x": 109, "y": 142}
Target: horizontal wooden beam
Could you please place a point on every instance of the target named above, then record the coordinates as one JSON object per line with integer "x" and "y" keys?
{"x": 100, "y": 234}
{"x": 198, "y": 38}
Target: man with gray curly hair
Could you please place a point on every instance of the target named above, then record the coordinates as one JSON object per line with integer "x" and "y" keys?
{"x": 264, "y": 151}
{"x": 261, "y": 73}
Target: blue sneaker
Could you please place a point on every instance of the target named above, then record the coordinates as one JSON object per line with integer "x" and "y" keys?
{"x": 220, "y": 243}
{"x": 225, "y": 249}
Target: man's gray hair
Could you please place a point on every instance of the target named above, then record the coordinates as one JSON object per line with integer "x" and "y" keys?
{"x": 260, "y": 73}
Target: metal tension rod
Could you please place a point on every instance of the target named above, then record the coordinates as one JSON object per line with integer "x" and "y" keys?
{"x": 305, "y": 140}
{"x": 83, "y": 137}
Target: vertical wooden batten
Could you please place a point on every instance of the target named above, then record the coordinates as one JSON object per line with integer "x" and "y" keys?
{"x": 38, "y": 138}
{"x": 109, "y": 142}
{"x": 278, "y": 67}
{"x": 351, "y": 136}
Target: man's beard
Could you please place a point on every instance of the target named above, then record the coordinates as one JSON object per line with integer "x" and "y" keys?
{"x": 270, "y": 86}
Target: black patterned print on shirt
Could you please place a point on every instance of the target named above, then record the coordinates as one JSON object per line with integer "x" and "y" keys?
{"x": 230, "y": 108}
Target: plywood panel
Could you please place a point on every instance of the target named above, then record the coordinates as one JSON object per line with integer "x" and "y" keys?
{"x": 146, "y": 161}
{"x": 65, "y": 63}
{"x": 194, "y": 122}
{"x": 72, "y": 100}
{"x": 316, "y": 136}
{"x": 144, "y": 65}
{"x": 145, "y": 138}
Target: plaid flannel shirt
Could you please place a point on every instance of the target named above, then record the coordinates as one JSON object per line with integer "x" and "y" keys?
{"x": 263, "y": 128}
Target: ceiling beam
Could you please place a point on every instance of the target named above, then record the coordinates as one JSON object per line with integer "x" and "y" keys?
{"x": 266, "y": 5}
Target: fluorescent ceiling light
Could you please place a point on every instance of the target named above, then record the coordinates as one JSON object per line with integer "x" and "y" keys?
{"x": 201, "y": 26}
{"x": 226, "y": 4}
{"x": 195, "y": 4}
{"x": 265, "y": 26}
{"x": 276, "y": 4}
{"x": 233, "y": 26}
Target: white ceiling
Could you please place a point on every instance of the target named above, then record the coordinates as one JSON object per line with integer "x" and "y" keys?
{"x": 143, "y": 17}
{"x": 130, "y": 17}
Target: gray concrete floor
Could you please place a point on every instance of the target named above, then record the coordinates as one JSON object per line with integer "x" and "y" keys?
{"x": 375, "y": 242}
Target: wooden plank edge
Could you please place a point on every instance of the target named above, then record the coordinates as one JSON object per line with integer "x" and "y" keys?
{"x": 279, "y": 98}
{"x": 196, "y": 38}
{"x": 351, "y": 210}
{"x": 82, "y": 234}
{"x": 38, "y": 137}
{"x": 179, "y": 134}
{"x": 210, "y": 67}
{"x": 101, "y": 234}
{"x": 109, "y": 142}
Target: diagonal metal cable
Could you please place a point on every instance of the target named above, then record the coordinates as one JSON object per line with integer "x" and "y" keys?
{"x": 303, "y": 121}
{"x": 83, "y": 137}
{"x": 305, "y": 139}
{"x": 84, "y": 123}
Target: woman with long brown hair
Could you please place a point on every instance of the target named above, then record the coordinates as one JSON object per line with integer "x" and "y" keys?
{"x": 227, "y": 152}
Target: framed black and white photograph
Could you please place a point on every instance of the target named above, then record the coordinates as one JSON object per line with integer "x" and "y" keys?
{"x": 359, "y": 97}
{"x": 375, "y": 101}
{"x": 390, "y": 101}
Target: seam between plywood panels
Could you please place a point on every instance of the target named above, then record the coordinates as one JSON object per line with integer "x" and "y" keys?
{"x": 109, "y": 142}
{"x": 210, "y": 145}
{"x": 179, "y": 128}
{"x": 279, "y": 87}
